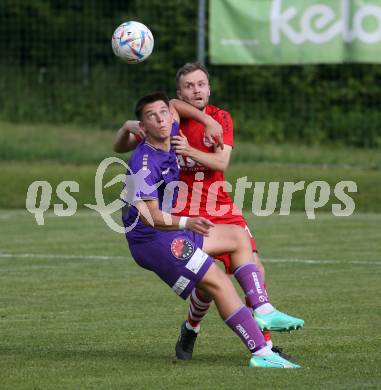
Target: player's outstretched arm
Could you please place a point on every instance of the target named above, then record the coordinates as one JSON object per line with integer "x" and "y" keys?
{"x": 125, "y": 139}
{"x": 213, "y": 130}
{"x": 152, "y": 216}
{"x": 218, "y": 161}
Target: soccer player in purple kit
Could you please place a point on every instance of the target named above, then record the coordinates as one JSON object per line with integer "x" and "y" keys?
{"x": 179, "y": 249}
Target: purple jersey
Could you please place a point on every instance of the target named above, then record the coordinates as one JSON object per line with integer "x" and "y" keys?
{"x": 153, "y": 169}
{"x": 175, "y": 256}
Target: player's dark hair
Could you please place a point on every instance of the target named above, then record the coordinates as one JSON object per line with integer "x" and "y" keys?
{"x": 190, "y": 67}
{"x": 148, "y": 99}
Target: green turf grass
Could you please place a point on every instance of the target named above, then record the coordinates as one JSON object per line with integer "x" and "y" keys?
{"x": 16, "y": 177}
{"x": 83, "y": 145}
{"x": 56, "y": 153}
{"x": 72, "y": 319}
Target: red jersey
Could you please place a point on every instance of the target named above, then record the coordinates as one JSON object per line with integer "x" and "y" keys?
{"x": 206, "y": 188}
{"x": 207, "y": 195}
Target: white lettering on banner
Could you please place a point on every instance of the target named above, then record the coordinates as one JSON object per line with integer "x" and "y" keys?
{"x": 317, "y": 23}
{"x": 196, "y": 261}
{"x": 238, "y": 42}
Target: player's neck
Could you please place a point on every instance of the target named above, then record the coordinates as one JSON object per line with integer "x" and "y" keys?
{"x": 159, "y": 144}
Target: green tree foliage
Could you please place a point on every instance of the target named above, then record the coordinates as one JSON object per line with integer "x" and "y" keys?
{"x": 57, "y": 66}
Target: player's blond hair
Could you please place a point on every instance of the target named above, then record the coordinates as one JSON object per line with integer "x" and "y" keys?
{"x": 190, "y": 67}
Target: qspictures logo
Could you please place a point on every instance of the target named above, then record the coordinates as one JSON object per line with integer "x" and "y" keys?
{"x": 316, "y": 194}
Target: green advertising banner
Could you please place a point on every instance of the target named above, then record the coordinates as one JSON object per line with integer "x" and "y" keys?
{"x": 294, "y": 31}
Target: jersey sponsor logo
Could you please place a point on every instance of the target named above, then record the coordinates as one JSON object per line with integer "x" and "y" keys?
{"x": 182, "y": 248}
{"x": 187, "y": 162}
{"x": 178, "y": 161}
{"x": 180, "y": 285}
{"x": 166, "y": 171}
{"x": 197, "y": 261}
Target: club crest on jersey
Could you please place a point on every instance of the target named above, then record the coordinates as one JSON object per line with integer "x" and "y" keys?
{"x": 207, "y": 143}
{"x": 182, "y": 248}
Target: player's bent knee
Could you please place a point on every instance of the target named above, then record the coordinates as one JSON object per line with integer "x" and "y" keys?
{"x": 214, "y": 281}
{"x": 240, "y": 236}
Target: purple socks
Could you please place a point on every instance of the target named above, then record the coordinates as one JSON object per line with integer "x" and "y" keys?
{"x": 251, "y": 282}
{"x": 242, "y": 323}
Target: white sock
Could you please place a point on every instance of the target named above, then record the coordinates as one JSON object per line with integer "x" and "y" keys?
{"x": 263, "y": 351}
{"x": 266, "y": 308}
{"x": 190, "y": 327}
{"x": 269, "y": 344}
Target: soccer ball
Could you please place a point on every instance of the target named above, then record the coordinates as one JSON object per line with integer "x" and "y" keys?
{"x": 132, "y": 42}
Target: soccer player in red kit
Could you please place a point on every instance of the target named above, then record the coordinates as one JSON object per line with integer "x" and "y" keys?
{"x": 202, "y": 169}
{"x": 202, "y": 166}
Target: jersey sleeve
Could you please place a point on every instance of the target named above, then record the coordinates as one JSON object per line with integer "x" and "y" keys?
{"x": 175, "y": 128}
{"x": 225, "y": 120}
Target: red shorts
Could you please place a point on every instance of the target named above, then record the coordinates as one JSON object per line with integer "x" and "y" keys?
{"x": 235, "y": 220}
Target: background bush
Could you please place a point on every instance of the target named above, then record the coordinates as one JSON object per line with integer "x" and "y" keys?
{"x": 57, "y": 67}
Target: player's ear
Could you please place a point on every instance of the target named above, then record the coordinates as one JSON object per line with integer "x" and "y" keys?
{"x": 141, "y": 125}
{"x": 209, "y": 92}
{"x": 179, "y": 94}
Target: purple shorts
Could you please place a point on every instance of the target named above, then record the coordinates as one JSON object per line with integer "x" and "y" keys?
{"x": 176, "y": 257}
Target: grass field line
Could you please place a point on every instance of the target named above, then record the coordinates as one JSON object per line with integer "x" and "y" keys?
{"x": 316, "y": 261}
{"x": 58, "y": 256}
{"x": 105, "y": 257}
